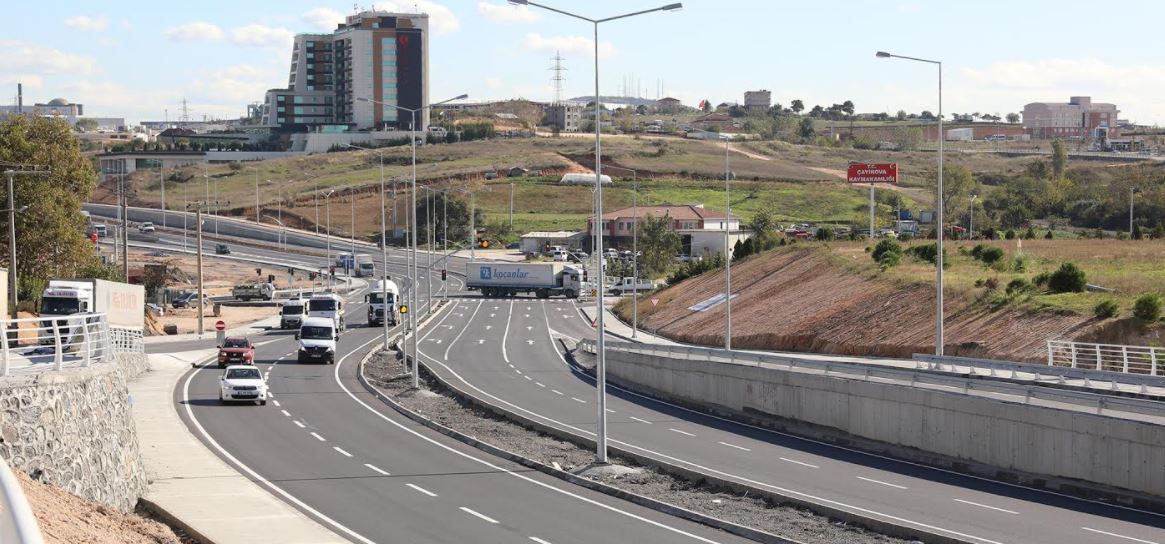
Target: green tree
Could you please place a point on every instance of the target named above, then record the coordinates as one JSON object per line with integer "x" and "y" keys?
{"x": 958, "y": 184}
{"x": 707, "y": 106}
{"x": 797, "y": 106}
{"x": 658, "y": 242}
{"x": 901, "y": 115}
{"x": 805, "y": 129}
{"x": 1059, "y": 158}
{"x": 764, "y": 229}
{"x": 86, "y": 125}
{"x": 1159, "y": 231}
{"x": 50, "y": 232}
{"x": 1148, "y": 307}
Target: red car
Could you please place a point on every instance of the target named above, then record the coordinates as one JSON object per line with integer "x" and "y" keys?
{"x": 236, "y": 350}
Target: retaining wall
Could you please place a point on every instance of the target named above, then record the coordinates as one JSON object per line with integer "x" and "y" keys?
{"x": 73, "y": 429}
{"x": 1074, "y": 452}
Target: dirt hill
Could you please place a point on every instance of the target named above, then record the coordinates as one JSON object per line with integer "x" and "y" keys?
{"x": 799, "y": 299}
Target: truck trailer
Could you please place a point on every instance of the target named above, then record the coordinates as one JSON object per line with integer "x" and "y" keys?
{"x": 122, "y": 303}
{"x": 365, "y": 267}
{"x": 541, "y": 279}
{"x": 377, "y": 309}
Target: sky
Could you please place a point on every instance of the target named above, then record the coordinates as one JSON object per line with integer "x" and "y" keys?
{"x": 139, "y": 60}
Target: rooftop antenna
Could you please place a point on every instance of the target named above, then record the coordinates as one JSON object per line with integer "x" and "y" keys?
{"x": 185, "y": 111}
{"x": 557, "y": 78}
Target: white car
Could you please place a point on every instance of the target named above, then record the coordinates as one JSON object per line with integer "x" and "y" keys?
{"x": 146, "y": 227}
{"x": 243, "y": 383}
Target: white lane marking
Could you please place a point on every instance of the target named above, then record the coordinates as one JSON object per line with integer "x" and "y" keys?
{"x": 492, "y": 315}
{"x": 341, "y": 451}
{"x": 275, "y": 402}
{"x": 742, "y": 448}
{"x": 422, "y": 490}
{"x": 511, "y": 365}
{"x": 1118, "y": 536}
{"x": 374, "y": 469}
{"x": 796, "y": 462}
{"x": 681, "y": 432}
{"x": 540, "y": 384}
{"x": 286, "y": 413}
{"x": 480, "y": 341}
{"x": 529, "y": 327}
{"x": 518, "y": 371}
{"x": 641, "y": 420}
{"x": 301, "y": 425}
{"x": 610, "y": 411}
{"x": 477, "y": 514}
{"x": 318, "y": 437}
{"x": 530, "y": 342}
{"x": 488, "y": 327}
{"x": 463, "y": 329}
{"x": 576, "y": 399}
{"x": 556, "y": 392}
{"x": 528, "y": 377}
{"x": 527, "y": 309}
{"x": 989, "y": 507}
{"x": 506, "y": 333}
{"x": 539, "y": 540}
{"x": 487, "y": 464}
{"x": 556, "y": 465}
{"x": 887, "y": 484}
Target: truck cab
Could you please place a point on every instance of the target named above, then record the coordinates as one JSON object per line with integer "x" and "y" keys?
{"x": 365, "y": 267}
{"x": 329, "y": 306}
{"x": 378, "y": 310}
{"x": 292, "y": 314}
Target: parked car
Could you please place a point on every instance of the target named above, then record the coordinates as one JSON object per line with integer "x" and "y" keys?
{"x": 147, "y": 227}
{"x": 236, "y": 350}
{"x": 561, "y": 256}
{"x": 222, "y": 249}
{"x": 188, "y": 300}
{"x": 243, "y": 383}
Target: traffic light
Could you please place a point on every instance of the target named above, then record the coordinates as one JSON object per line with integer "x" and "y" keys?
{"x": 270, "y": 278}
{"x": 258, "y": 271}
{"x": 311, "y": 276}
{"x": 444, "y": 274}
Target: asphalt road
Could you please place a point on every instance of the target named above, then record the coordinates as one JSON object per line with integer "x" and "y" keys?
{"x": 504, "y": 352}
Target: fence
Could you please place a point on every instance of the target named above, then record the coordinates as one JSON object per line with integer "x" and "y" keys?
{"x": 1109, "y": 357}
{"x": 39, "y": 344}
{"x": 17, "y": 524}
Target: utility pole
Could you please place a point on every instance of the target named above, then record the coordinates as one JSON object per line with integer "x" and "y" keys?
{"x": 162, "y": 181}
{"x": 472, "y": 227}
{"x": 201, "y": 300}
{"x": 511, "y": 206}
{"x": 124, "y": 232}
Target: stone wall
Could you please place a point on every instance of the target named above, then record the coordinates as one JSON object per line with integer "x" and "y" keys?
{"x": 73, "y": 429}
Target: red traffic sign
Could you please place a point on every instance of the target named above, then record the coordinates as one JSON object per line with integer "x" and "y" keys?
{"x": 93, "y": 237}
{"x": 655, "y": 302}
{"x": 220, "y": 325}
{"x": 872, "y": 173}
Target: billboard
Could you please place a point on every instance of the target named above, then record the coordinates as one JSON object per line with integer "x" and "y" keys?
{"x": 872, "y": 173}
{"x": 409, "y": 70}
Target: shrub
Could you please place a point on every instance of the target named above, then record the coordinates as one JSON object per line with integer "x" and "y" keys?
{"x": 1041, "y": 279}
{"x": 890, "y": 259}
{"x": 1106, "y": 308}
{"x": 1010, "y": 235}
{"x": 928, "y": 253}
{"x": 235, "y": 166}
{"x": 886, "y": 245}
{"x": 991, "y": 283}
{"x": 1048, "y": 236}
{"x": 977, "y": 251}
{"x": 1018, "y": 286}
{"x": 1019, "y": 264}
{"x": 905, "y": 237}
{"x": 1148, "y": 307}
{"x": 1067, "y": 279}
{"x": 824, "y": 234}
{"x": 1030, "y": 234}
{"x": 990, "y": 254}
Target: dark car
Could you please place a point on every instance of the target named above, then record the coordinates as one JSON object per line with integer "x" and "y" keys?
{"x": 222, "y": 249}
{"x": 189, "y": 300}
{"x": 236, "y": 350}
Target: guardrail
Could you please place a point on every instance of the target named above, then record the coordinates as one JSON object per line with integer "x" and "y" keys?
{"x": 1108, "y": 357}
{"x": 1019, "y": 392}
{"x": 17, "y": 524}
{"x": 38, "y": 344}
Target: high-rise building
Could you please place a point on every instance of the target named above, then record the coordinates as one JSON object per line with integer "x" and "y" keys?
{"x": 1079, "y": 118}
{"x": 354, "y": 76}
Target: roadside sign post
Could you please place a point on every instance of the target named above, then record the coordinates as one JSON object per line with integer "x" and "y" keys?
{"x": 872, "y": 173}
{"x": 220, "y": 332}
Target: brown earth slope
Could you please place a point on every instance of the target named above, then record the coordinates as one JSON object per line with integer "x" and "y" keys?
{"x": 800, "y": 300}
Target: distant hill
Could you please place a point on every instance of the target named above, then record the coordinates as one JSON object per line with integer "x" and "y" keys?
{"x": 631, "y": 100}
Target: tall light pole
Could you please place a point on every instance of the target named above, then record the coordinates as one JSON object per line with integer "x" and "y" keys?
{"x": 383, "y": 246}
{"x": 601, "y": 345}
{"x": 257, "y": 196}
{"x": 124, "y": 231}
{"x": 328, "y": 233}
{"x": 162, "y": 180}
{"x": 727, "y": 252}
{"x": 938, "y": 318}
{"x": 971, "y": 219}
{"x": 13, "y": 299}
{"x": 412, "y": 316}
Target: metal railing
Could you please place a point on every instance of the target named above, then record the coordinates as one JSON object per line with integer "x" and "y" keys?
{"x": 17, "y": 524}
{"x": 1026, "y": 393}
{"x": 1108, "y": 357}
{"x": 39, "y": 344}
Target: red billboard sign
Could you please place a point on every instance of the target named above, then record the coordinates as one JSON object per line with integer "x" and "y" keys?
{"x": 872, "y": 173}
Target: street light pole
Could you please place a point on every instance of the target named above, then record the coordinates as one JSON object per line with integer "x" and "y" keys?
{"x": 256, "y": 196}
{"x": 383, "y": 246}
{"x": 727, "y": 253}
{"x": 328, "y": 233}
{"x": 162, "y": 180}
{"x": 938, "y": 320}
{"x": 601, "y": 346}
{"x": 971, "y": 219}
{"x": 14, "y": 300}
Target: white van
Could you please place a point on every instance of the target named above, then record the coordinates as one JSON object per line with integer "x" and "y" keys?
{"x": 317, "y": 338}
{"x": 327, "y": 305}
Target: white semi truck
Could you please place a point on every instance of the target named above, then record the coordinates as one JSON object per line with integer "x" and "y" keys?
{"x": 327, "y": 305}
{"x": 541, "y": 279}
{"x": 377, "y": 309}
{"x": 122, "y": 303}
{"x": 365, "y": 267}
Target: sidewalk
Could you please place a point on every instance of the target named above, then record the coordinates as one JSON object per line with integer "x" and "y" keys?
{"x": 191, "y": 484}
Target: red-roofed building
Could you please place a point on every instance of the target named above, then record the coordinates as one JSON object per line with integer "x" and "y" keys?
{"x": 701, "y": 230}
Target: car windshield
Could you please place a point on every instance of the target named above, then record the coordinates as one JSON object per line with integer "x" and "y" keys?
{"x": 377, "y": 298}
{"x": 243, "y": 374}
{"x": 59, "y": 306}
{"x": 235, "y": 343}
{"x": 292, "y": 309}
{"x": 322, "y": 305}
{"x": 316, "y": 333}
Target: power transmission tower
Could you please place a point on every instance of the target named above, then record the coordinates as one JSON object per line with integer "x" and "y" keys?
{"x": 557, "y": 78}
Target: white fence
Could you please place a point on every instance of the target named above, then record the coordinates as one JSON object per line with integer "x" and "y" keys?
{"x": 17, "y": 524}
{"x": 39, "y": 344}
{"x": 1113, "y": 358}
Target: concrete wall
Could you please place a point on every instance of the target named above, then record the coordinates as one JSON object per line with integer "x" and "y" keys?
{"x": 73, "y": 429}
{"x": 950, "y": 429}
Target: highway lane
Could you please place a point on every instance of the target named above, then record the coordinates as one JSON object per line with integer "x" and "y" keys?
{"x": 503, "y": 351}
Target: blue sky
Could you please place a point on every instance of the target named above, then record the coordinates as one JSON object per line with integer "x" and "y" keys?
{"x": 137, "y": 59}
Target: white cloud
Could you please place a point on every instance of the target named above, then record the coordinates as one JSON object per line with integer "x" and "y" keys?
{"x": 30, "y": 81}
{"x": 85, "y": 22}
{"x": 234, "y": 86}
{"x": 197, "y": 31}
{"x": 323, "y": 18}
{"x": 441, "y": 18}
{"x": 507, "y": 13}
{"x": 262, "y": 36}
{"x": 493, "y": 83}
{"x": 34, "y": 59}
{"x": 568, "y": 44}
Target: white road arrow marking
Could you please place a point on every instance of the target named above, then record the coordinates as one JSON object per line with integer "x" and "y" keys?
{"x": 529, "y": 327}
{"x": 481, "y": 341}
{"x": 491, "y": 315}
{"x": 488, "y": 327}
{"x": 531, "y": 342}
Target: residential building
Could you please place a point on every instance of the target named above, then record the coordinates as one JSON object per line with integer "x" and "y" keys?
{"x": 757, "y": 101}
{"x": 720, "y": 121}
{"x": 537, "y": 242}
{"x": 338, "y": 81}
{"x": 70, "y": 112}
{"x": 701, "y": 231}
{"x": 668, "y": 105}
{"x": 1079, "y": 118}
{"x": 567, "y": 116}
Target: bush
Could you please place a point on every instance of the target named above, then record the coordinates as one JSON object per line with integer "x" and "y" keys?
{"x": 1041, "y": 279}
{"x": 890, "y": 259}
{"x": 1048, "y": 236}
{"x": 1030, "y": 234}
{"x": 1106, "y": 308}
{"x": 884, "y": 246}
{"x": 1148, "y": 307}
{"x": 991, "y": 283}
{"x": 977, "y": 251}
{"x": 1019, "y": 264}
{"x": 824, "y": 234}
{"x": 1018, "y": 286}
{"x": 990, "y": 254}
{"x": 905, "y": 237}
{"x": 928, "y": 253}
{"x": 1067, "y": 279}
{"x": 1010, "y": 235}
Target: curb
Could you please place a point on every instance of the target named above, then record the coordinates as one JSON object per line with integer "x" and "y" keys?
{"x": 173, "y": 521}
{"x": 659, "y": 506}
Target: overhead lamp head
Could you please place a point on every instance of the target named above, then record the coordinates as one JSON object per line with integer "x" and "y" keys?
{"x": 362, "y": 99}
{"x": 882, "y": 55}
{"x": 673, "y": 7}
{"x": 520, "y": 2}
{"x": 461, "y": 97}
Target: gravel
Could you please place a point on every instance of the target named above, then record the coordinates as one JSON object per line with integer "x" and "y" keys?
{"x": 388, "y": 374}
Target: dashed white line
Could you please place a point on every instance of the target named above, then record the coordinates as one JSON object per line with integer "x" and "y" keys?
{"x": 576, "y": 399}
{"x": 286, "y": 413}
{"x": 540, "y": 384}
{"x": 275, "y": 402}
{"x": 341, "y": 451}
{"x": 422, "y": 490}
{"x": 539, "y": 540}
{"x": 641, "y": 420}
{"x": 610, "y": 411}
{"x": 556, "y": 392}
{"x": 742, "y": 448}
{"x": 796, "y": 462}
{"x": 528, "y": 378}
{"x": 374, "y": 469}
{"x": 686, "y": 433}
{"x": 318, "y": 437}
{"x": 478, "y": 514}
{"x": 518, "y": 371}
{"x": 997, "y": 509}
{"x": 301, "y": 425}
{"x": 1118, "y": 536}
{"x": 887, "y": 484}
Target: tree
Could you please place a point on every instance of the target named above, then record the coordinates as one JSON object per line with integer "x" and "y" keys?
{"x": 798, "y": 106}
{"x": 817, "y": 111}
{"x": 901, "y": 115}
{"x": 1013, "y": 118}
{"x": 806, "y": 129}
{"x": 1059, "y": 158}
{"x": 926, "y": 115}
{"x": 52, "y": 240}
{"x": 707, "y": 105}
{"x": 764, "y": 228}
{"x": 958, "y": 185}
{"x": 457, "y": 211}
{"x": 658, "y": 242}
{"x": 86, "y": 125}
{"x": 848, "y": 108}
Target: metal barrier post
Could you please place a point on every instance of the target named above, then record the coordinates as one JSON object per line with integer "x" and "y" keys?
{"x": 1073, "y": 345}
{"x": 1051, "y": 361}
{"x": 86, "y": 339}
{"x": 4, "y": 358}
{"x": 58, "y": 355}
{"x": 1125, "y": 357}
{"x": 1099, "y": 365}
{"x": 1152, "y": 361}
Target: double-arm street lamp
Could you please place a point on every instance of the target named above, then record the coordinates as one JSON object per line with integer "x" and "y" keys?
{"x": 383, "y": 242}
{"x": 600, "y": 343}
{"x": 412, "y": 315}
{"x": 938, "y": 319}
